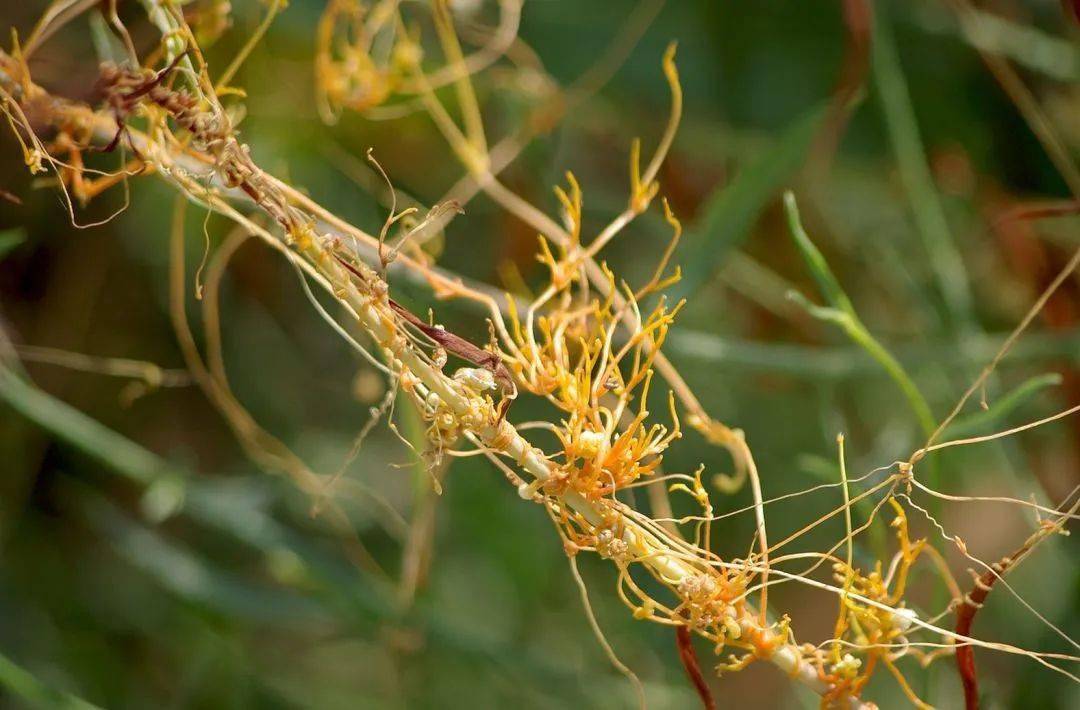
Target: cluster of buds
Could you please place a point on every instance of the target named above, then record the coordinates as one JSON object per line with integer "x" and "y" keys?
{"x": 611, "y": 547}
{"x": 567, "y": 348}
{"x": 706, "y": 605}
{"x": 872, "y": 617}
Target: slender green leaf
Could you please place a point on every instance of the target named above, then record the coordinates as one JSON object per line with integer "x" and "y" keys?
{"x": 841, "y": 312}
{"x": 23, "y": 684}
{"x": 999, "y": 410}
{"x": 86, "y": 434}
{"x": 732, "y": 210}
{"x": 819, "y": 268}
{"x": 842, "y": 361}
{"x": 928, "y": 213}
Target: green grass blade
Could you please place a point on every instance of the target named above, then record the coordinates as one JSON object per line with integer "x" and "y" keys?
{"x": 844, "y": 361}
{"x": 842, "y": 313}
{"x": 1002, "y": 408}
{"x": 946, "y": 265}
{"x": 819, "y": 268}
{"x": 84, "y": 433}
{"x": 732, "y": 210}
{"x": 23, "y": 684}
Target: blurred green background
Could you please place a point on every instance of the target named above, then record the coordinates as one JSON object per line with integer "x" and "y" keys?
{"x": 146, "y": 562}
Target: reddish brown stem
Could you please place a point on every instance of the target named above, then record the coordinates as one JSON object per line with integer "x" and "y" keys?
{"x": 971, "y": 603}
{"x": 965, "y": 655}
{"x": 688, "y": 656}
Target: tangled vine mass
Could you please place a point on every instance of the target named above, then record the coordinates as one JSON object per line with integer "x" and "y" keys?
{"x": 588, "y": 343}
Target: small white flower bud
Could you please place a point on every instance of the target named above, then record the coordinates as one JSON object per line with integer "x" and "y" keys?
{"x": 477, "y": 379}
{"x": 903, "y": 618}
